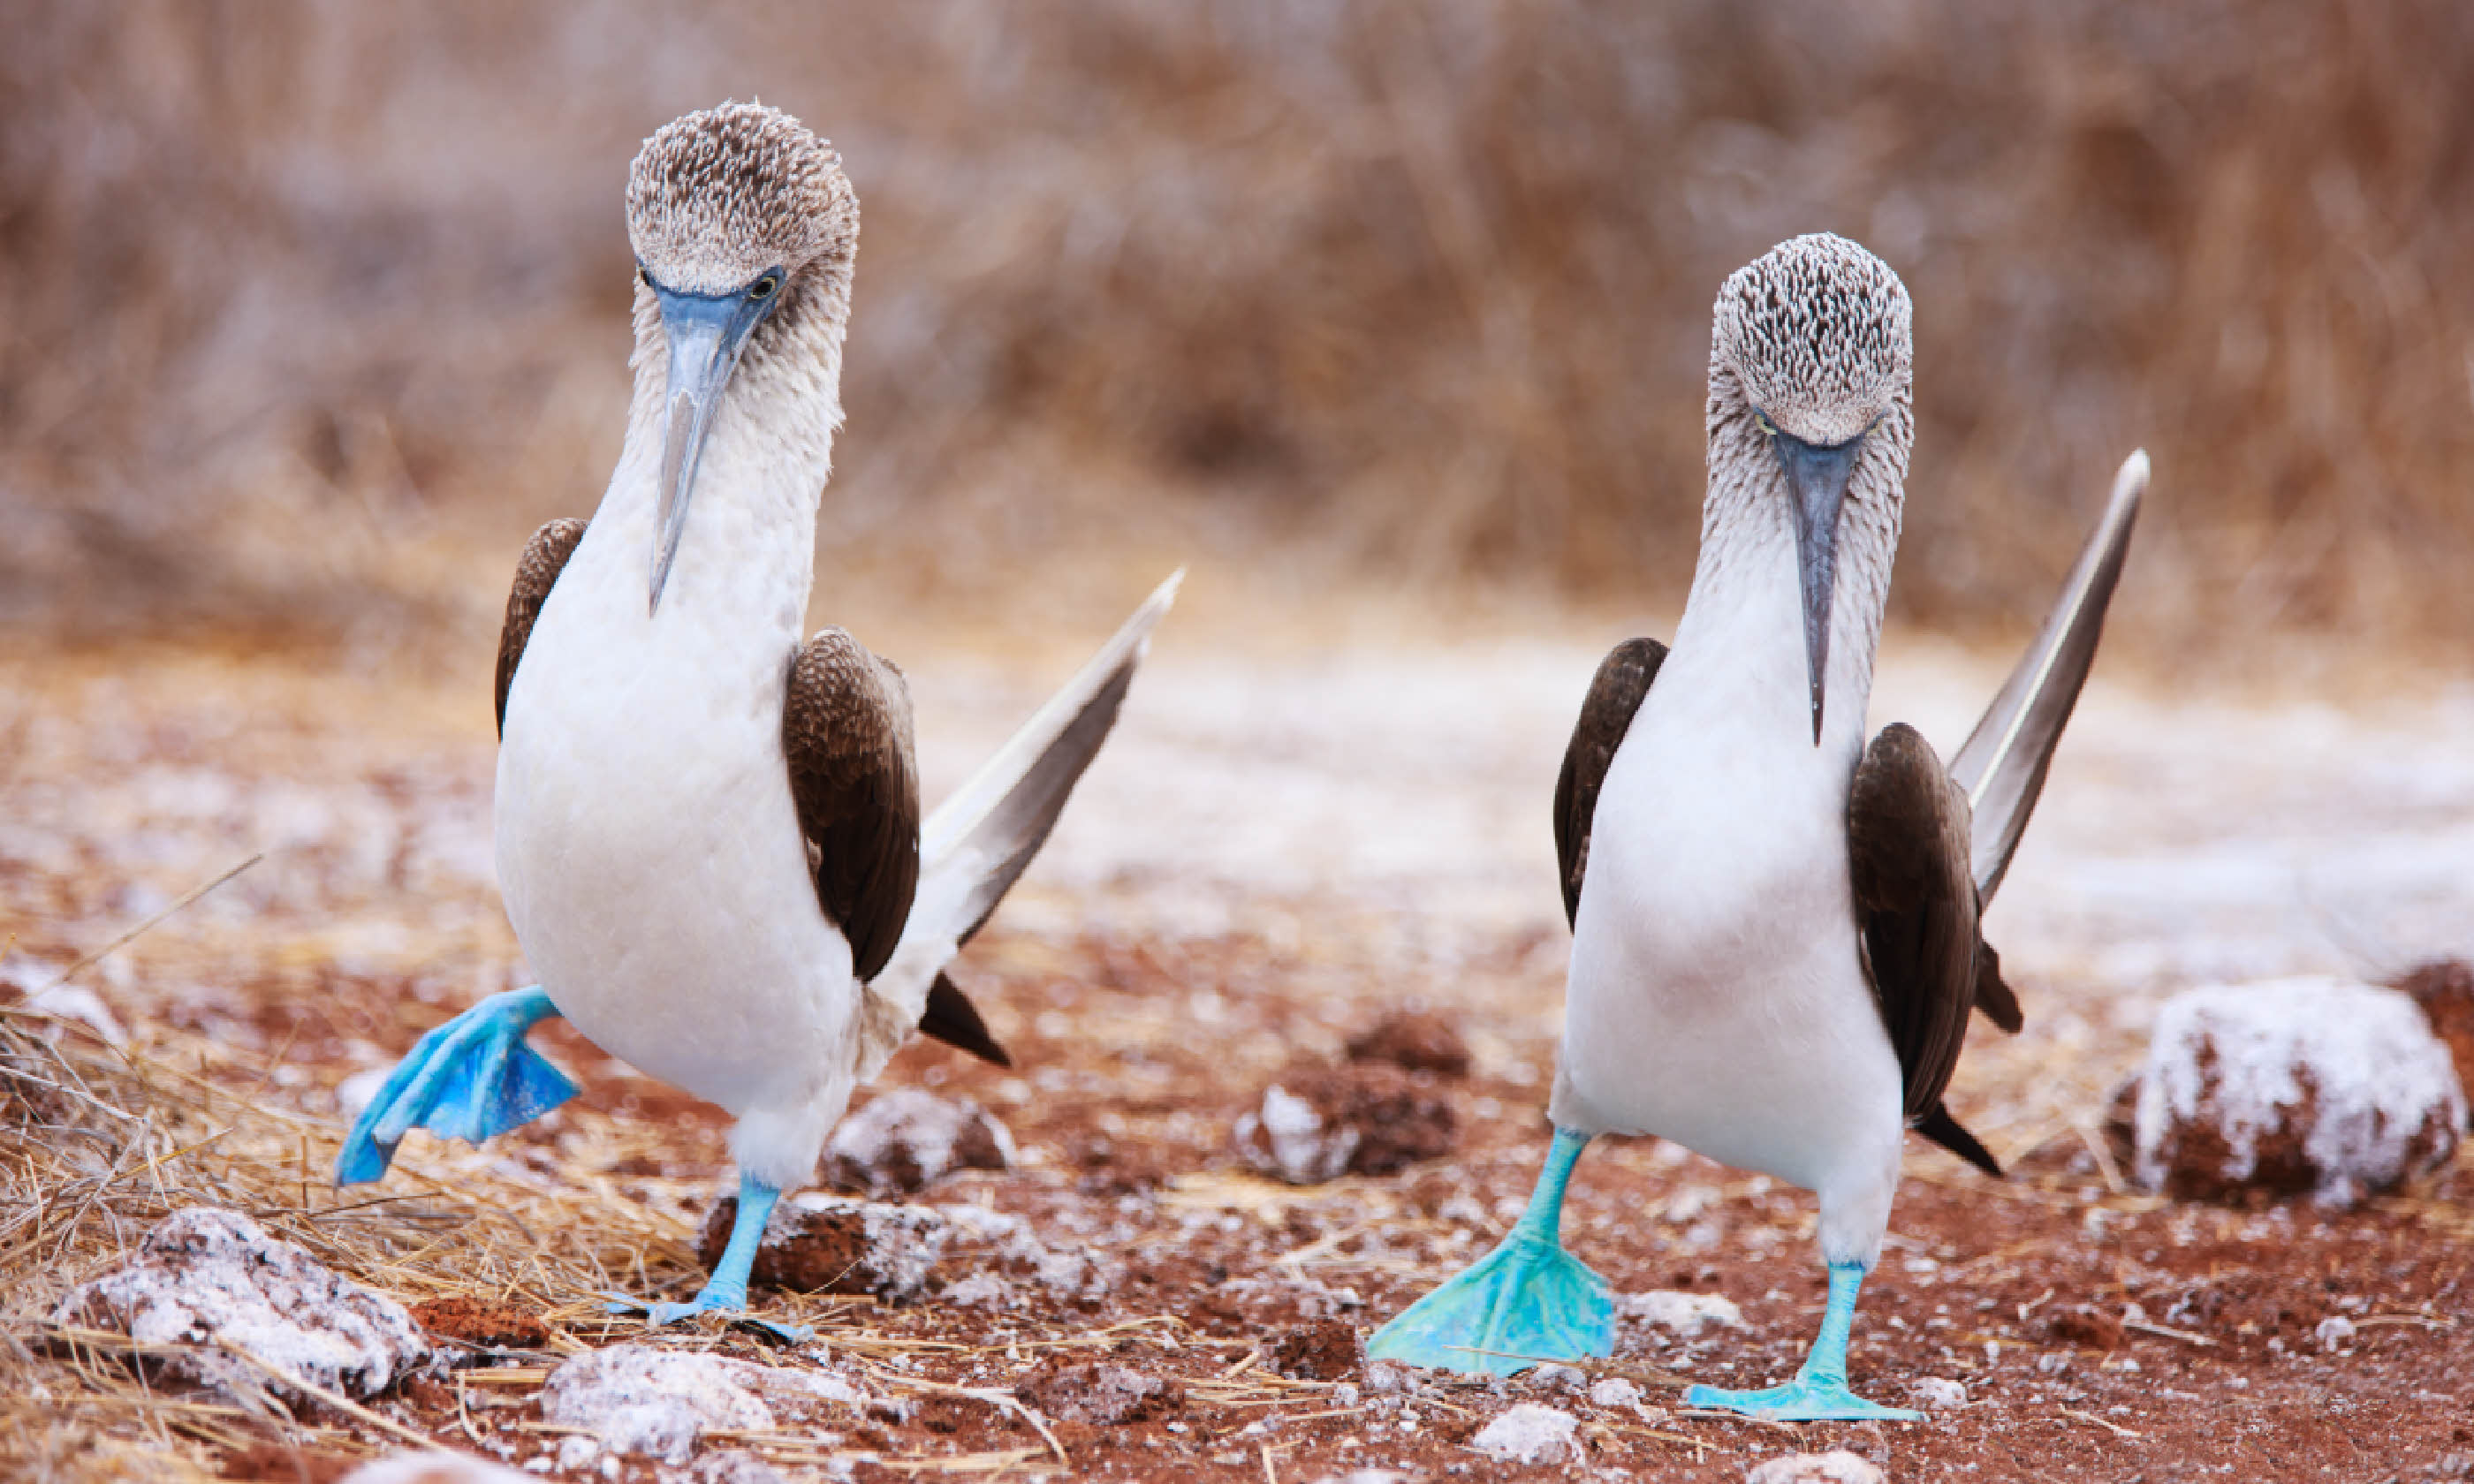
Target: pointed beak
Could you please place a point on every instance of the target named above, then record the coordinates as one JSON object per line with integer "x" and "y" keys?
{"x": 1816, "y": 480}
{"x": 705, "y": 334}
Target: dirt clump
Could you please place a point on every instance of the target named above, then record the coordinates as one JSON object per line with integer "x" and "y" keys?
{"x": 1324, "y": 1350}
{"x": 278, "y": 1463}
{"x": 904, "y": 1137}
{"x": 1100, "y": 1395}
{"x": 2445, "y": 989}
{"x": 1318, "y": 1123}
{"x": 479, "y": 1322}
{"x": 1417, "y": 1040}
{"x": 2083, "y": 1324}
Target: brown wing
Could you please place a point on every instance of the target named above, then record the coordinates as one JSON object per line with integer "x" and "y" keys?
{"x": 846, "y": 735}
{"x": 1907, "y": 853}
{"x": 1616, "y": 693}
{"x": 536, "y": 573}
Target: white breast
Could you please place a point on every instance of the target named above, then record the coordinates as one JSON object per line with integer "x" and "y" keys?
{"x": 648, "y": 845}
{"x": 1716, "y": 995}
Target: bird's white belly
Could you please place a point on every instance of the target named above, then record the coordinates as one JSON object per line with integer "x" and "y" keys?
{"x": 651, "y": 861}
{"x": 1718, "y": 997}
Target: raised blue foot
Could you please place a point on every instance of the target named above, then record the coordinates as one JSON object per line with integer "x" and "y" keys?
{"x": 1526, "y": 1301}
{"x": 725, "y": 1292}
{"x": 467, "y": 1079}
{"x": 1819, "y": 1392}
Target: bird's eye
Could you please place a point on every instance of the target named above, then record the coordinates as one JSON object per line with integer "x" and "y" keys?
{"x": 643, "y": 275}
{"x": 1762, "y": 420}
{"x": 765, "y": 287}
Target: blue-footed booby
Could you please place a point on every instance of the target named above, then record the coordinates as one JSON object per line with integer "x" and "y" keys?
{"x": 708, "y": 831}
{"x": 1775, "y": 926}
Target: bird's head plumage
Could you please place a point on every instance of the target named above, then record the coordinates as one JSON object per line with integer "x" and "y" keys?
{"x": 745, "y": 230}
{"x": 1818, "y": 335}
{"x": 1811, "y": 415}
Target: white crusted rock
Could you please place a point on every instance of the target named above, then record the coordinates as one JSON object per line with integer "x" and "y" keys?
{"x": 906, "y": 1137}
{"x": 437, "y": 1467}
{"x": 1529, "y": 1434}
{"x": 1940, "y": 1393}
{"x": 1835, "y": 1467}
{"x": 817, "y": 1244}
{"x": 1684, "y": 1314}
{"x": 1287, "y": 1136}
{"x": 2312, "y": 1085}
{"x": 636, "y": 1399}
{"x": 1614, "y": 1391}
{"x": 214, "y": 1279}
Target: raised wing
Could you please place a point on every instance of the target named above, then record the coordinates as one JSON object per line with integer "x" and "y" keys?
{"x": 846, "y": 736}
{"x": 1907, "y": 833}
{"x": 2002, "y": 765}
{"x": 536, "y": 573}
{"x": 1616, "y": 693}
{"x": 978, "y": 843}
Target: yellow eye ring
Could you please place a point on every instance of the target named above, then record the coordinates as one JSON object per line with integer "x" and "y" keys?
{"x": 765, "y": 287}
{"x": 1762, "y": 420}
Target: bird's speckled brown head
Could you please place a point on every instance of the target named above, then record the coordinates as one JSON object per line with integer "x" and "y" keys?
{"x": 717, "y": 197}
{"x": 1819, "y": 335}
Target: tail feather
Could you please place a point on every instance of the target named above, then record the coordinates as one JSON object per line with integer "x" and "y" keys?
{"x": 2002, "y": 765}
{"x": 951, "y": 1019}
{"x": 1944, "y": 1130}
{"x": 979, "y": 841}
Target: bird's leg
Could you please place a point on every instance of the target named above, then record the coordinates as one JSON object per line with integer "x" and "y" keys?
{"x": 1526, "y": 1301}
{"x": 725, "y": 1292}
{"x": 1819, "y": 1391}
{"x": 467, "y": 1079}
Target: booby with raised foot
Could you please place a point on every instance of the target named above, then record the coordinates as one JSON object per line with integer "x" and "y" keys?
{"x": 709, "y": 835}
{"x": 1776, "y": 925}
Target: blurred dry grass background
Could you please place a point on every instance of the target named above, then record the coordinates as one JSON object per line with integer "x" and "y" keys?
{"x": 304, "y": 303}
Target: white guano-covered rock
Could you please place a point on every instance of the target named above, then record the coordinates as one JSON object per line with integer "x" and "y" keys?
{"x": 434, "y": 1468}
{"x": 2316, "y": 1085}
{"x": 1529, "y": 1434}
{"x": 636, "y": 1399}
{"x": 906, "y": 1137}
{"x": 1838, "y": 1466}
{"x": 1682, "y": 1314}
{"x": 209, "y": 1280}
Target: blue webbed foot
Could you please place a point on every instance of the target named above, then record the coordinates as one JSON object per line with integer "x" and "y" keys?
{"x": 1819, "y": 1392}
{"x": 1526, "y": 1301}
{"x": 1822, "y": 1399}
{"x": 467, "y": 1079}
{"x": 725, "y": 1293}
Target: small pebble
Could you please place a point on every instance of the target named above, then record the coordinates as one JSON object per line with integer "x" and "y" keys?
{"x": 1529, "y": 1434}
{"x": 1614, "y": 1391}
{"x": 1940, "y": 1393}
{"x": 1835, "y": 1467}
{"x": 2334, "y": 1331}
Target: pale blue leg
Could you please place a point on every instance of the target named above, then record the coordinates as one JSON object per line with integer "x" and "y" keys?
{"x": 1819, "y": 1392}
{"x": 1526, "y": 1301}
{"x": 725, "y": 1292}
{"x": 467, "y": 1079}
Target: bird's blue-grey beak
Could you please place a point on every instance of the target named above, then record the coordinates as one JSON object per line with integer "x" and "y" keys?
{"x": 1816, "y": 481}
{"x": 706, "y": 333}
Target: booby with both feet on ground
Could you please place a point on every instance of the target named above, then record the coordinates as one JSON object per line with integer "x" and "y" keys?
{"x": 1776, "y": 939}
{"x": 708, "y": 831}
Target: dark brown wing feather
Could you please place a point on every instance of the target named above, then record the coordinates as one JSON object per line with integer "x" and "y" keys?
{"x": 536, "y": 573}
{"x": 846, "y": 736}
{"x": 1907, "y": 852}
{"x": 1616, "y": 693}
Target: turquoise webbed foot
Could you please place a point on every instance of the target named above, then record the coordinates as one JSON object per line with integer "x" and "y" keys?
{"x": 725, "y": 1292}
{"x": 1819, "y": 1392}
{"x": 1798, "y": 1400}
{"x": 1526, "y": 1301}
{"x": 467, "y": 1079}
